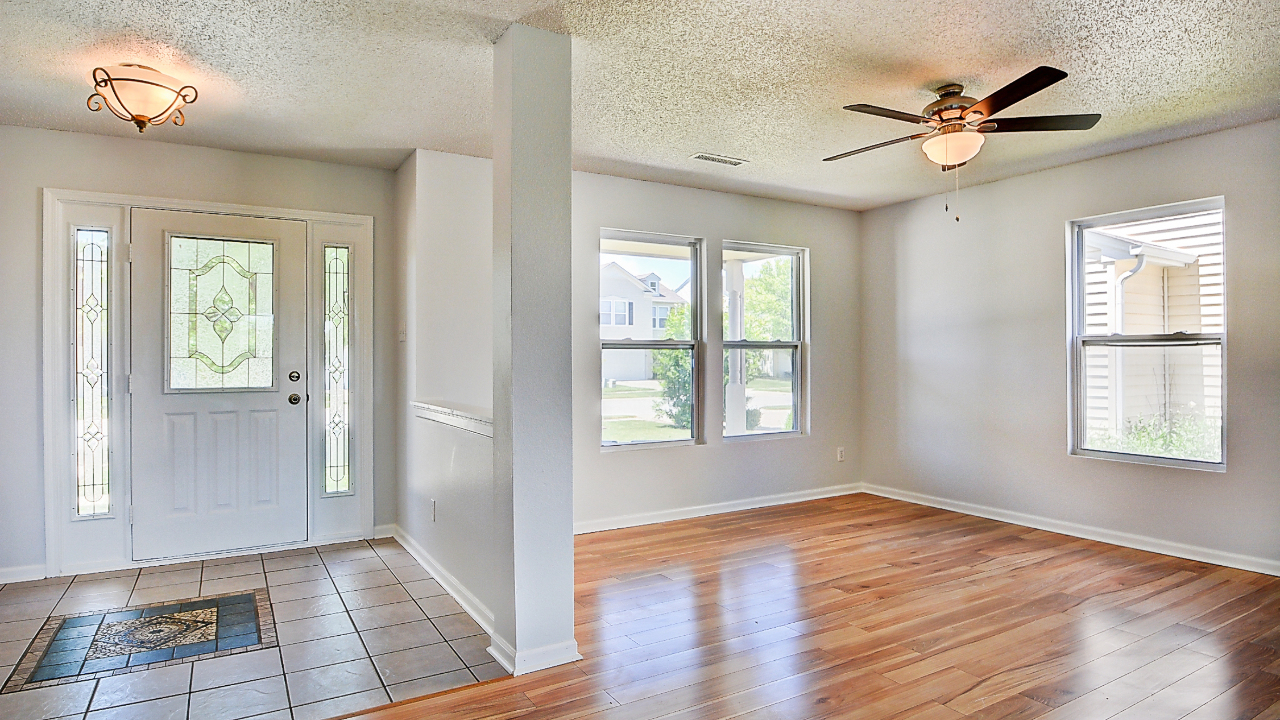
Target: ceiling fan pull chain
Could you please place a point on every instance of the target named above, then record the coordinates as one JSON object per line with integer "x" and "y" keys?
{"x": 957, "y": 171}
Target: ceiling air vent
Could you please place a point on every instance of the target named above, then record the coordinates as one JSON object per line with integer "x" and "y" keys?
{"x": 722, "y": 159}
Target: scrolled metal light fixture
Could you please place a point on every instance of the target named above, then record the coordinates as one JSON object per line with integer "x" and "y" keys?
{"x": 141, "y": 95}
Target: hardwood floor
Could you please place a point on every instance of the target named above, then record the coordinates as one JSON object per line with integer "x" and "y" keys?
{"x": 863, "y": 607}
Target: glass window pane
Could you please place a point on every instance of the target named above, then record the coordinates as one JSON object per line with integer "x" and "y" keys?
{"x": 759, "y": 295}
{"x": 647, "y": 395}
{"x": 337, "y": 369}
{"x": 759, "y": 391}
{"x": 639, "y": 279}
{"x": 93, "y": 496}
{"x": 221, "y": 314}
{"x": 1154, "y": 276}
{"x": 1161, "y": 401}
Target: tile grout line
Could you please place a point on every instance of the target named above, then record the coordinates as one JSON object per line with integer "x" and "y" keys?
{"x": 262, "y": 568}
{"x": 346, "y": 610}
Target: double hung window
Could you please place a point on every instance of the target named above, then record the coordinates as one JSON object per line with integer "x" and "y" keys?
{"x": 763, "y": 338}
{"x": 649, "y": 375}
{"x": 1148, "y": 335}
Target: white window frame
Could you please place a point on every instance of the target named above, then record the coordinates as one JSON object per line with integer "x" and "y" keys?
{"x": 799, "y": 343}
{"x": 660, "y": 317}
{"x": 628, "y": 310}
{"x": 1078, "y": 340}
{"x": 697, "y": 333}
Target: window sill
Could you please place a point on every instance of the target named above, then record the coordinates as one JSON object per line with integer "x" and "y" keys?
{"x": 765, "y": 436}
{"x": 1151, "y": 460}
{"x": 621, "y": 447}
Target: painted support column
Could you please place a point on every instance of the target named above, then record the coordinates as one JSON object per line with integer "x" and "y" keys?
{"x": 532, "y": 360}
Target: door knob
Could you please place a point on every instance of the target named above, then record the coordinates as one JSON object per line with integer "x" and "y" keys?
{"x": 295, "y": 398}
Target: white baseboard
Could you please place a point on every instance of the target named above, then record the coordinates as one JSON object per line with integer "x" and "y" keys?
{"x": 22, "y": 573}
{"x": 1088, "y": 532}
{"x": 469, "y": 602}
{"x": 502, "y": 651}
{"x": 624, "y": 521}
{"x": 527, "y": 661}
{"x": 384, "y": 531}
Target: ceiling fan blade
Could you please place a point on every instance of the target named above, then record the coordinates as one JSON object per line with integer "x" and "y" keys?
{"x": 887, "y": 143}
{"x": 891, "y": 114}
{"x": 1016, "y": 91}
{"x": 1044, "y": 122}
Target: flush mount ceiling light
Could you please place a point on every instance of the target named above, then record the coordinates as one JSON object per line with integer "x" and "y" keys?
{"x": 140, "y": 94}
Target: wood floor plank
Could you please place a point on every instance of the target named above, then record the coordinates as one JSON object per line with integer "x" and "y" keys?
{"x": 862, "y": 607}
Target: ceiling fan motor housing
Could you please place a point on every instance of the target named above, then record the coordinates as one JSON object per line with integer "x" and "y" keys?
{"x": 950, "y": 105}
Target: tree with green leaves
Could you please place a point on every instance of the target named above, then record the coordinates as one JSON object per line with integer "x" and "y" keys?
{"x": 674, "y": 369}
{"x": 768, "y": 301}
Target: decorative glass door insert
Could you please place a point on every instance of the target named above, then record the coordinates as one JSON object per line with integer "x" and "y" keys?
{"x": 337, "y": 371}
{"x": 93, "y": 495}
{"x": 221, "y": 314}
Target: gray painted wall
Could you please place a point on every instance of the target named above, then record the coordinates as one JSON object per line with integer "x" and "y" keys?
{"x": 630, "y": 486}
{"x": 965, "y": 356}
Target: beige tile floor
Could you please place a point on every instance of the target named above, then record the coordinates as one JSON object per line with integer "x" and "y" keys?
{"x": 360, "y": 624}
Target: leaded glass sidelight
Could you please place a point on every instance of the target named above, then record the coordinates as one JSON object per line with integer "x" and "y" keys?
{"x": 221, "y": 314}
{"x": 93, "y": 489}
{"x": 337, "y": 369}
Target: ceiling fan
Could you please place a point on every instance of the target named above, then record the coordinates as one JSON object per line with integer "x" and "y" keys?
{"x": 957, "y": 123}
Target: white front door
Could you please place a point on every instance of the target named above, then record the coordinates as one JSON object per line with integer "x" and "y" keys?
{"x": 218, "y": 382}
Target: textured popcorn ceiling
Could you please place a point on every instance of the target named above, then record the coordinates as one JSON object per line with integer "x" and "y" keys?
{"x": 363, "y": 81}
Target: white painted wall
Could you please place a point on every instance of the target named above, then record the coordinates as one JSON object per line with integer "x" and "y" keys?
{"x": 33, "y": 159}
{"x": 965, "y": 354}
{"x": 447, "y": 205}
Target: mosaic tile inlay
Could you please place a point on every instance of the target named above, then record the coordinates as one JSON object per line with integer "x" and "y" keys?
{"x": 75, "y": 647}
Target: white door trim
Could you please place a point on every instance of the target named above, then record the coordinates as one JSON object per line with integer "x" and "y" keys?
{"x": 330, "y": 518}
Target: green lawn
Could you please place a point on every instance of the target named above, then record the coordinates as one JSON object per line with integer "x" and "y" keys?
{"x": 624, "y": 431}
{"x": 770, "y": 384}
{"x": 626, "y": 391}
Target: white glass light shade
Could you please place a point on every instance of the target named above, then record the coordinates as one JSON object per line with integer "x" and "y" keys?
{"x": 140, "y": 95}
{"x": 953, "y": 148}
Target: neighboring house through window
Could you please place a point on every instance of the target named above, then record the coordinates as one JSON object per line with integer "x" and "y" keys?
{"x": 647, "y": 369}
{"x": 1148, "y": 334}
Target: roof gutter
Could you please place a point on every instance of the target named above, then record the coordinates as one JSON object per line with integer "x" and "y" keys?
{"x": 1120, "y": 281}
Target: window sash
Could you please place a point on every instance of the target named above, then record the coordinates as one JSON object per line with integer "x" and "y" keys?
{"x": 760, "y": 344}
{"x": 648, "y": 344}
{"x": 1080, "y": 419}
{"x": 797, "y": 255}
{"x": 694, "y": 345}
{"x": 1154, "y": 340}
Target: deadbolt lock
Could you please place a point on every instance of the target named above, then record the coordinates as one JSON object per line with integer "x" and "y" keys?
{"x": 295, "y": 376}
{"x": 295, "y": 398}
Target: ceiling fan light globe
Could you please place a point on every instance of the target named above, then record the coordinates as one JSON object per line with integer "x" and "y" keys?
{"x": 953, "y": 148}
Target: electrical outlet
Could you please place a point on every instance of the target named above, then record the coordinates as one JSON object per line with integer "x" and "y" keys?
{"x": 839, "y": 454}
{"x": 433, "y": 510}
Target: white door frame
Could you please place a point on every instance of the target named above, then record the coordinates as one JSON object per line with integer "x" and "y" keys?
{"x": 78, "y": 545}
